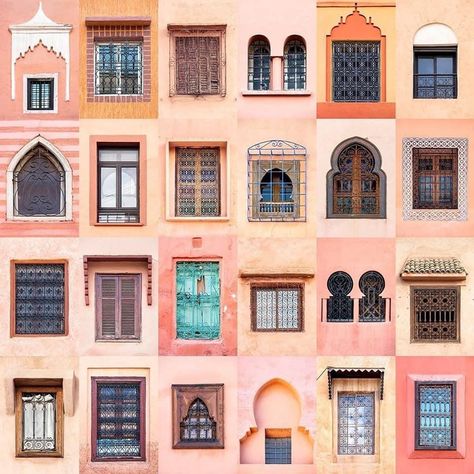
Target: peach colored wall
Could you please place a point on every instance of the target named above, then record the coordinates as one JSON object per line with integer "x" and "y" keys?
{"x": 356, "y": 256}
{"x": 417, "y": 367}
{"x": 180, "y": 370}
{"x": 213, "y": 248}
{"x": 411, "y": 16}
{"x": 433, "y": 129}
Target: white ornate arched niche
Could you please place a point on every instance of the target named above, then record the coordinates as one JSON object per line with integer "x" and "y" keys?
{"x": 39, "y": 140}
{"x": 435, "y": 34}
{"x": 40, "y": 29}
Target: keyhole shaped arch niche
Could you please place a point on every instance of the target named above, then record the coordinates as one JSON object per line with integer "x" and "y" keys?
{"x": 277, "y": 408}
{"x": 40, "y": 30}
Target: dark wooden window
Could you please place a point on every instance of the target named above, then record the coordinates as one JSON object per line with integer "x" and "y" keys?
{"x": 259, "y": 65}
{"x": 435, "y": 419}
{"x": 278, "y": 446}
{"x": 118, "y": 306}
{"x": 371, "y": 305}
{"x": 294, "y": 65}
{"x": 40, "y": 94}
{"x": 435, "y": 178}
{"x": 435, "y": 75}
{"x": 118, "y": 185}
{"x": 340, "y": 306}
{"x": 198, "y": 416}
{"x": 277, "y": 307}
{"x": 39, "y": 185}
{"x": 40, "y": 298}
{"x": 118, "y": 419}
{"x": 39, "y": 421}
{"x": 197, "y": 182}
{"x": 435, "y": 314}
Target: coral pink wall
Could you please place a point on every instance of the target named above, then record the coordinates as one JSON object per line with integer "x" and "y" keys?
{"x": 356, "y": 256}
{"x": 212, "y": 248}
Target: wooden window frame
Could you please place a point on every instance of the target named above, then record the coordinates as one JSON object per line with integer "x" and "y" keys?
{"x": 278, "y": 433}
{"x": 178, "y": 31}
{"x": 276, "y": 286}
{"x": 138, "y": 307}
{"x": 182, "y": 398}
{"x": 13, "y": 264}
{"x": 95, "y": 381}
{"x": 59, "y": 421}
{"x": 452, "y": 384}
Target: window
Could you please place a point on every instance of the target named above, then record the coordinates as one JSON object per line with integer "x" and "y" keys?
{"x": 118, "y": 185}
{"x": 435, "y": 178}
{"x": 118, "y": 419}
{"x": 356, "y": 423}
{"x": 277, "y": 307}
{"x": 435, "y": 425}
{"x": 197, "y": 300}
{"x": 277, "y": 181}
{"x": 278, "y": 446}
{"x": 340, "y": 306}
{"x": 356, "y": 71}
{"x": 118, "y": 306}
{"x": 294, "y": 69}
{"x": 40, "y": 94}
{"x": 39, "y": 185}
{"x": 198, "y": 420}
{"x": 39, "y": 421}
{"x": 371, "y": 305}
{"x": 197, "y": 60}
{"x": 259, "y": 65}
{"x": 40, "y": 298}
{"x": 435, "y": 314}
{"x": 197, "y": 182}
{"x": 118, "y": 68}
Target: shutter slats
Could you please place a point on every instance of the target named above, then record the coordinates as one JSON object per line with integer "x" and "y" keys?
{"x": 127, "y": 306}
{"x": 108, "y": 296}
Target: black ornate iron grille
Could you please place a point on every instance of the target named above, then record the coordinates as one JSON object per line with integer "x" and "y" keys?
{"x": 259, "y": 66}
{"x": 277, "y": 307}
{"x": 356, "y": 423}
{"x": 435, "y": 314}
{"x": 39, "y": 298}
{"x": 118, "y": 420}
{"x": 294, "y": 70}
{"x": 340, "y": 306}
{"x": 278, "y": 450}
{"x": 118, "y": 68}
{"x": 197, "y": 182}
{"x": 39, "y": 185}
{"x": 356, "y": 188}
{"x": 372, "y": 305}
{"x": 198, "y": 425}
{"x": 435, "y": 178}
{"x": 40, "y": 94}
{"x": 435, "y": 415}
{"x": 356, "y": 71}
{"x": 39, "y": 421}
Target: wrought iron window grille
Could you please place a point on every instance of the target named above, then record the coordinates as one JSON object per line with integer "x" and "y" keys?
{"x": 340, "y": 306}
{"x": 259, "y": 61}
{"x": 198, "y": 425}
{"x": 276, "y": 181}
{"x": 294, "y": 68}
{"x": 40, "y": 94}
{"x": 118, "y": 68}
{"x": 372, "y": 305}
{"x": 277, "y": 446}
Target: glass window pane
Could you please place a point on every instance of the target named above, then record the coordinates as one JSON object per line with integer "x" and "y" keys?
{"x": 108, "y": 155}
{"x": 444, "y": 65}
{"x": 129, "y": 187}
{"x": 425, "y": 65}
{"x": 108, "y": 187}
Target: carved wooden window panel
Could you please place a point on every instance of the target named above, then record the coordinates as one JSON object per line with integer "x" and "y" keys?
{"x": 435, "y": 418}
{"x": 118, "y": 306}
{"x": 39, "y": 421}
{"x": 435, "y": 178}
{"x": 278, "y": 446}
{"x": 277, "y": 307}
{"x": 198, "y": 182}
{"x": 340, "y": 306}
{"x": 259, "y": 61}
{"x": 435, "y": 314}
{"x": 371, "y": 305}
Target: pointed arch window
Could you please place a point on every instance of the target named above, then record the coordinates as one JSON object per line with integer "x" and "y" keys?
{"x": 295, "y": 65}
{"x": 259, "y": 64}
{"x": 340, "y": 306}
{"x": 198, "y": 425}
{"x": 356, "y": 184}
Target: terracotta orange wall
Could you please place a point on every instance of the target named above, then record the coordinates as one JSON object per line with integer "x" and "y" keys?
{"x": 426, "y": 366}
{"x": 355, "y": 256}
{"x": 213, "y": 248}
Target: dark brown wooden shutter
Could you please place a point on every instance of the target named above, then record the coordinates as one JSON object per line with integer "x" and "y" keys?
{"x": 108, "y": 304}
{"x": 128, "y": 303}
{"x": 213, "y": 64}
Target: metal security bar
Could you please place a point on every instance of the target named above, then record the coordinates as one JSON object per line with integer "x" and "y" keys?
{"x": 372, "y": 305}
{"x": 340, "y": 306}
{"x": 39, "y": 421}
{"x": 198, "y": 425}
{"x": 40, "y": 94}
{"x": 356, "y": 71}
{"x": 259, "y": 66}
{"x": 278, "y": 450}
{"x": 294, "y": 69}
{"x": 435, "y": 86}
{"x": 118, "y": 69}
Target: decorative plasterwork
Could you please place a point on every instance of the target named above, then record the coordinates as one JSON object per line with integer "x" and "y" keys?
{"x": 356, "y": 26}
{"x": 40, "y": 29}
{"x": 410, "y": 214}
{"x": 118, "y": 258}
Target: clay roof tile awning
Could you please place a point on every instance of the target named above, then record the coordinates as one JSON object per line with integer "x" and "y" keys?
{"x": 433, "y": 268}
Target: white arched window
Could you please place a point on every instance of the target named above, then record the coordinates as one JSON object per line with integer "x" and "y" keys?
{"x": 435, "y": 62}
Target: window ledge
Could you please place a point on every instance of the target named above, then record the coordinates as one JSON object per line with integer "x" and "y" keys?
{"x": 302, "y": 93}
{"x": 188, "y": 342}
{"x": 28, "y": 220}
{"x": 118, "y": 224}
{"x": 197, "y": 219}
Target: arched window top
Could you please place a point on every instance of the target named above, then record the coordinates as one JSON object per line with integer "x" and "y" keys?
{"x": 259, "y": 64}
{"x": 372, "y": 283}
{"x": 295, "y": 44}
{"x": 198, "y": 425}
{"x": 259, "y": 42}
{"x": 340, "y": 283}
{"x": 435, "y": 34}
